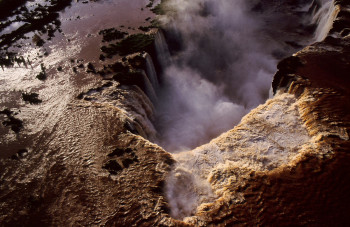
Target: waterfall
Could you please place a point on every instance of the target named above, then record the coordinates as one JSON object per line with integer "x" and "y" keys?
{"x": 162, "y": 49}
{"x": 324, "y": 18}
{"x": 151, "y": 72}
{"x": 149, "y": 89}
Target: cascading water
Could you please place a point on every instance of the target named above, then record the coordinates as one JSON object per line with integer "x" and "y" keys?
{"x": 223, "y": 71}
{"x": 149, "y": 87}
{"x": 162, "y": 49}
{"x": 151, "y": 72}
{"x": 324, "y": 18}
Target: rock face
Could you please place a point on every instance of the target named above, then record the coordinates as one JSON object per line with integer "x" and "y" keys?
{"x": 303, "y": 188}
{"x": 286, "y": 163}
{"x": 307, "y": 187}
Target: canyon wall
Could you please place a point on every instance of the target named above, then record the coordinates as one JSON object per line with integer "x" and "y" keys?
{"x": 285, "y": 163}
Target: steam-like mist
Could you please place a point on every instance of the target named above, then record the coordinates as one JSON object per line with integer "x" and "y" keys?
{"x": 225, "y": 68}
{"x": 228, "y": 54}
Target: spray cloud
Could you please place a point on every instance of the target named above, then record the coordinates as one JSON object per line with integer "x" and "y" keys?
{"x": 225, "y": 67}
{"x": 227, "y": 58}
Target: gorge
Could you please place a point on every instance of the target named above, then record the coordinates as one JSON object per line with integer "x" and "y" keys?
{"x": 237, "y": 151}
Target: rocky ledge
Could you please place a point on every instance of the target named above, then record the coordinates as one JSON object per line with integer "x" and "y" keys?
{"x": 310, "y": 186}
{"x": 285, "y": 164}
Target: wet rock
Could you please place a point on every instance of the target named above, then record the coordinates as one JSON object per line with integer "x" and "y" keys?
{"x": 14, "y": 157}
{"x": 345, "y": 32}
{"x": 285, "y": 67}
{"x": 131, "y": 128}
{"x": 113, "y": 167}
{"x": 127, "y": 162}
{"x": 120, "y": 152}
{"x": 340, "y": 24}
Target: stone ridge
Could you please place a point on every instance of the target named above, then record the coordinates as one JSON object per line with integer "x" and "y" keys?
{"x": 313, "y": 189}
{"x": 92, "y": 169}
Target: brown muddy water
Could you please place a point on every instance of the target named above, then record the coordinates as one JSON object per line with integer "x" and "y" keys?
{"x": 78, "y": 43}
{"x": 88, "y": 157}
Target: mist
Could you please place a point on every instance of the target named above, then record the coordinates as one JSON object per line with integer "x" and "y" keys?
{"x": 223, "y": 58}
{"x": 225, "y": 65}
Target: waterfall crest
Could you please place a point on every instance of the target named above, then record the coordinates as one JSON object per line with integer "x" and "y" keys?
{"x": 162, "y": 49}
{"x": 151, "y": 72}
{"x": 324, "y": 18}
{"x": 149, "y": 88}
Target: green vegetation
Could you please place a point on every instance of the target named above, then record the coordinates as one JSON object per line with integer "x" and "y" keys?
{"x": 32, "y": 24}
{"x": 131, "y": 78}
{"x": 42, "y": 74}
{"x": 90, "y": 68}
{"x": 150, "y": 4}
{"x": 11, "y": 59}
{"x": 161, "y": 8}
{"x": 43, "y": 19}
{"x": 37, "y": 40}
{"x": 7, "y": 6}
{"x": 154, "y": 24}
{"x": 111, "y": 34}
{"x": 118, "y": 67}
{"x": 131, "y": 44}
{"x": 138, "y": 62}
{"x": 144, "y": 29}
{"x": 32, "y": 98}
{"x": 102, "y": 57}
{"x": 13, "y": 122}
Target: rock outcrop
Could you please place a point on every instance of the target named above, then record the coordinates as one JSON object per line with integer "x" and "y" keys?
{"x": 285, "y": 164}
{"x": 308, "y": 187}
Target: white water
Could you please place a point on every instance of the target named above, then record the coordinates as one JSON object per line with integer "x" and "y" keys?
{"x": 324, "y": 18}
{"x": 269, "y": 136}
{"x": 162, "y": 49}
{"x": 151, "y": 72}
{"x": 149, "y": 88}
{"x": 225, "y": 70}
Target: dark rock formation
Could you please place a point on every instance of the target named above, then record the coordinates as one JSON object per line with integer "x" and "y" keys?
{"x": 314, "y": 192}
{"x": 94, "y": 165}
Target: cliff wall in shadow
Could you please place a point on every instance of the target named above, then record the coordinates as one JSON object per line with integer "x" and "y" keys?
{"x": 285, "y": 164}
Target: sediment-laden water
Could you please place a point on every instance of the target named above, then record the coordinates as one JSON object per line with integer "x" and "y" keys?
{"x": 113, "y": 121}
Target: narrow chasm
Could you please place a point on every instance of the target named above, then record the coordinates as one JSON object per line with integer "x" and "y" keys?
{"x": 217, "y": 62}
{"x": 174, "y": 113}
